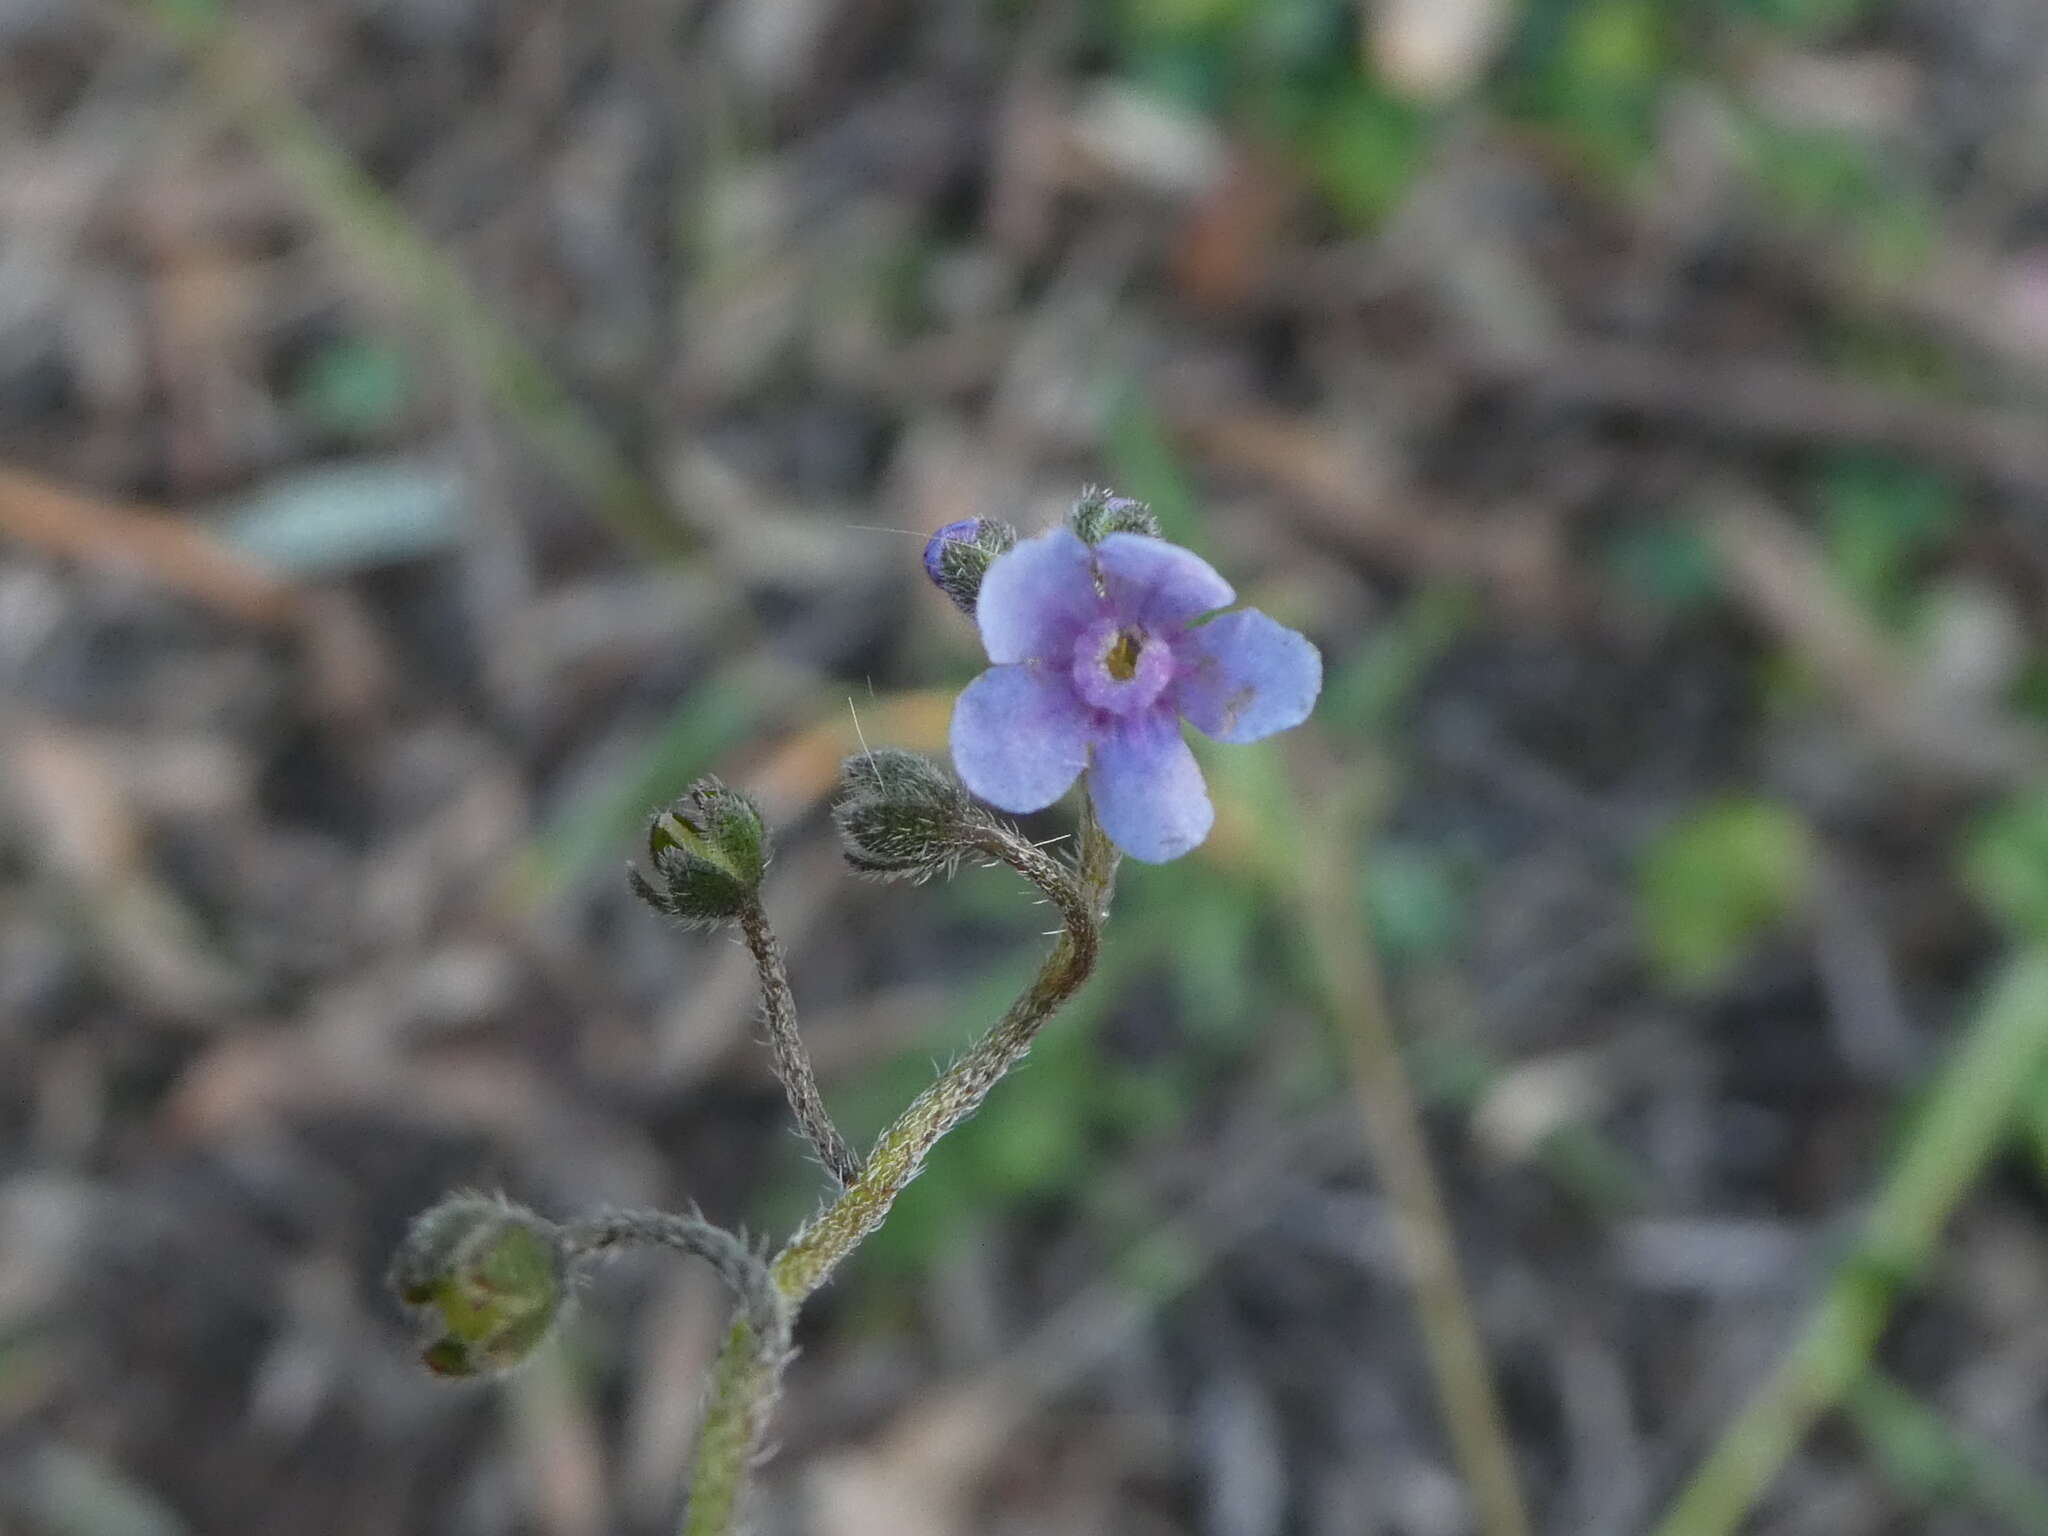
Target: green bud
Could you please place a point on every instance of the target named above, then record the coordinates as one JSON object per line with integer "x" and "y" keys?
{"x": 708, "y": 851}
{"x": 901, "y": 816}
{"x": 1099, "y": 513}
{"x": 959, "y": 555}
{"x": 487, "y": 1277}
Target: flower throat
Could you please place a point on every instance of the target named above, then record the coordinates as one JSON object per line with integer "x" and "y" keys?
{"x": 1122, "y": 659}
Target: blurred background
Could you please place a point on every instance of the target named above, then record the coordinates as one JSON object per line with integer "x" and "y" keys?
{"x": 434, "y": 431}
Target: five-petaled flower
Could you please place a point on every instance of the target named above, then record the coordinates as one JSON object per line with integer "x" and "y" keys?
{"x": 1098, "y": 653}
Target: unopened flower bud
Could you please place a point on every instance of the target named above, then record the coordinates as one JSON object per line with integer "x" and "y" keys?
{"x": 1098, "y": 514}
{"x": 959, "y": 555}
{"x": 708, "y": 851}
{"x": 901, "y": 816}
{"x": 489, "y": 1279}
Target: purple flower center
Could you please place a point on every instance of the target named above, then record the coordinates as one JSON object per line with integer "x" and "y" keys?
{"x": 1121, "y": 667}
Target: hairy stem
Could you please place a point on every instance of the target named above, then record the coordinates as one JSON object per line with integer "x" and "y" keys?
{"x": 818, "y": 1249}
{"x": 786, "y": 1048}
{"x": 744, "y": 1272}
{"x": 744, "y": 1386}
{"x": 748, "y": 1376}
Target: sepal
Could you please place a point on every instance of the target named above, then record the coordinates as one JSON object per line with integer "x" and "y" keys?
{"x": 903, "y": 817}
{"x": 708, "y": 851}
{"x": 1099, "y": 513}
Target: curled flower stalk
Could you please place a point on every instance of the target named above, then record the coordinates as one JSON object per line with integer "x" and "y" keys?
{"x": 1102, "y": 638}
{"x": 743, "y": 1270}
{"x": 1081, "y": 894}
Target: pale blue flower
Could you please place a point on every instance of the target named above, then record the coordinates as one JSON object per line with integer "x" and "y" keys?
{"x": 1099, "y": 652}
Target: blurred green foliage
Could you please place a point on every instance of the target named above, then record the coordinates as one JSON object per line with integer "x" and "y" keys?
{"x": 1880, "y": 520}
{"x": 1592, "y": 71}
{"x": 2005, "y": 864}
{"x": 1287, "y": 72}
{"x": 1938, "y": 1465}
{"x": 1821, "y": 183}
{"x": 354, "y": 387}
{"x": 1418, "y": 900}
{"x": 1805, "y": 19}
{"x": 1364, "y": 693}
{"x": 2030, "y": 689}
{"x": 1669, "y": 566}
{"x": 1227, "y": 55}
{"x": 1362, "y": 148}
{"x": 1147, "y": 467}
{"x": 1720, "y": 877}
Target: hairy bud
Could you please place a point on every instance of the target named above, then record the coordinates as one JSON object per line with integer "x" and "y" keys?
{"x": 901, "y": 816}
{"x": 487, "y": 1277}
{"x": 959, "y": 555}
{"x": 1098, "y": 514}
{"x": 708, "y": 851}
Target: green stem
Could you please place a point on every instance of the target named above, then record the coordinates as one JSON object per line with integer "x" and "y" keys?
{"x": 818, "y": 1249}
{"x": 744, "y": 1385}
{"x": 1939, "y": 1464}
{"x": 1974, "y": 1103}
{"x": 748, "y": 1375}
{"x": 1324, "y": 887}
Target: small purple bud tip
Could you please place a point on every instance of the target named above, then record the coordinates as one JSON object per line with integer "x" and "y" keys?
{"x": 959, "y": 555}
{"x": 965, "y": 531}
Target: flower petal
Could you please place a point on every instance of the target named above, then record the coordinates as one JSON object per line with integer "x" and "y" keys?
{"x": 1157, "y": 583}
{"x": 1148, "y": 788}
{"x": 1019, "y": 737}
{"x": 1245, "y": 676}
{"x": 1036, "y": 598}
